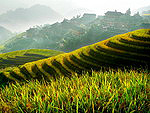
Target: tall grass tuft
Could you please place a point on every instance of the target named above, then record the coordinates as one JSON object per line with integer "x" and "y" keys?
{"x": 110, "y": 91}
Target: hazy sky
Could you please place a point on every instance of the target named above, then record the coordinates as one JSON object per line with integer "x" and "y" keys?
{"x": 64, "y": 6}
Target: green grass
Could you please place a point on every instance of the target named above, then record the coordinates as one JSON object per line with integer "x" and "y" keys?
{"x": 20, "y": 57}
{"x": 110, "y": 53}
{"x": 109, "y": 92}
{"x": 44, "y": 52}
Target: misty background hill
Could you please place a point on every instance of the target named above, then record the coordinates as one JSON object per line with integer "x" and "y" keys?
{"x": 20, "y": 19}
{"x": 143, "y": 9}
{"x": 5, "y": 34}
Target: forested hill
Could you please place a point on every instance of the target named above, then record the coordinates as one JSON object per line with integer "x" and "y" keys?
{"x": 77, "y": 32}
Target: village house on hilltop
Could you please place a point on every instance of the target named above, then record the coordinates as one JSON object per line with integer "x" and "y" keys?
{"x": 113, "y": 14}
{"x": 89, "y": 16}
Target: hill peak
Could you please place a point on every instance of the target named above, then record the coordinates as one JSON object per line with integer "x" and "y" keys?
{"x": 24, "y": 18}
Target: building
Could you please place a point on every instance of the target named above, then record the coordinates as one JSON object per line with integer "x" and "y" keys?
{"x": 113, "y": 14}
{"x": 89, "y": 16}
{"x": 86, "y": 18}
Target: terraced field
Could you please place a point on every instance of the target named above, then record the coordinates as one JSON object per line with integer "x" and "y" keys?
{"x": 127, "y": 50}
{"x": 21, "y": 57}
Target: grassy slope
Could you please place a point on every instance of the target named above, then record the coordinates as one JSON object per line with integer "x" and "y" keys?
{"x": 23, "y": 56}
{"x": 130, "y": 49}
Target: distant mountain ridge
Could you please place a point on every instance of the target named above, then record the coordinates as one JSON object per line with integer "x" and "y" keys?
{"x": 5, "y": 34}
{"x": 143, "y": 9}
{"x": 20, "y": 19}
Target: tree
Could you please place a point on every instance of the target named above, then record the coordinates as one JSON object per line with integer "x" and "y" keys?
{"x": 128, "y": 12}
{"x": 137, "y": 14}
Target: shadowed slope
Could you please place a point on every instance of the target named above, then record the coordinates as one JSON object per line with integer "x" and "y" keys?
{"x": 126, "y": 50}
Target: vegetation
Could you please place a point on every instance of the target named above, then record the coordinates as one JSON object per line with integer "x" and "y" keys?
{"x": 80, "y": 31}
{"x": 23, "y": 56}
{"x": 121, "y": 51}
{"x": 109, "y": 76}
{"x": 109, "y": 91}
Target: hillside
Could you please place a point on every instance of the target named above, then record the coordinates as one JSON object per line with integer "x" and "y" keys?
{"x": 22, "y": 19}
{"x": 23, "y": 56}
{"x": 45, "y": 37}
{"x": 127, "y": 50}
{"x": 5, "y": 34}
{"x": 77, "y": 32}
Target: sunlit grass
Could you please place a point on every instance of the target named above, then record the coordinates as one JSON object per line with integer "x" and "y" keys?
{"x": 21, "y": 57}
{"x": 110, "y": 91}
{"x": 44, "y": 52}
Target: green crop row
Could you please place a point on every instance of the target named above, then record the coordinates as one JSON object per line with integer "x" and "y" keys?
{"x": 128, "y": 47}
{"x": 142, "y": 37}
{"x": 72, "y": 67}
{"x": 118, "y": 56}
{"x": 21, "y": 57}
{"x": 134, "y": 42}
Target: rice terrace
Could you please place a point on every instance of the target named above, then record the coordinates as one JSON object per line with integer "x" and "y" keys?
{"x": 112, "y": 75}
